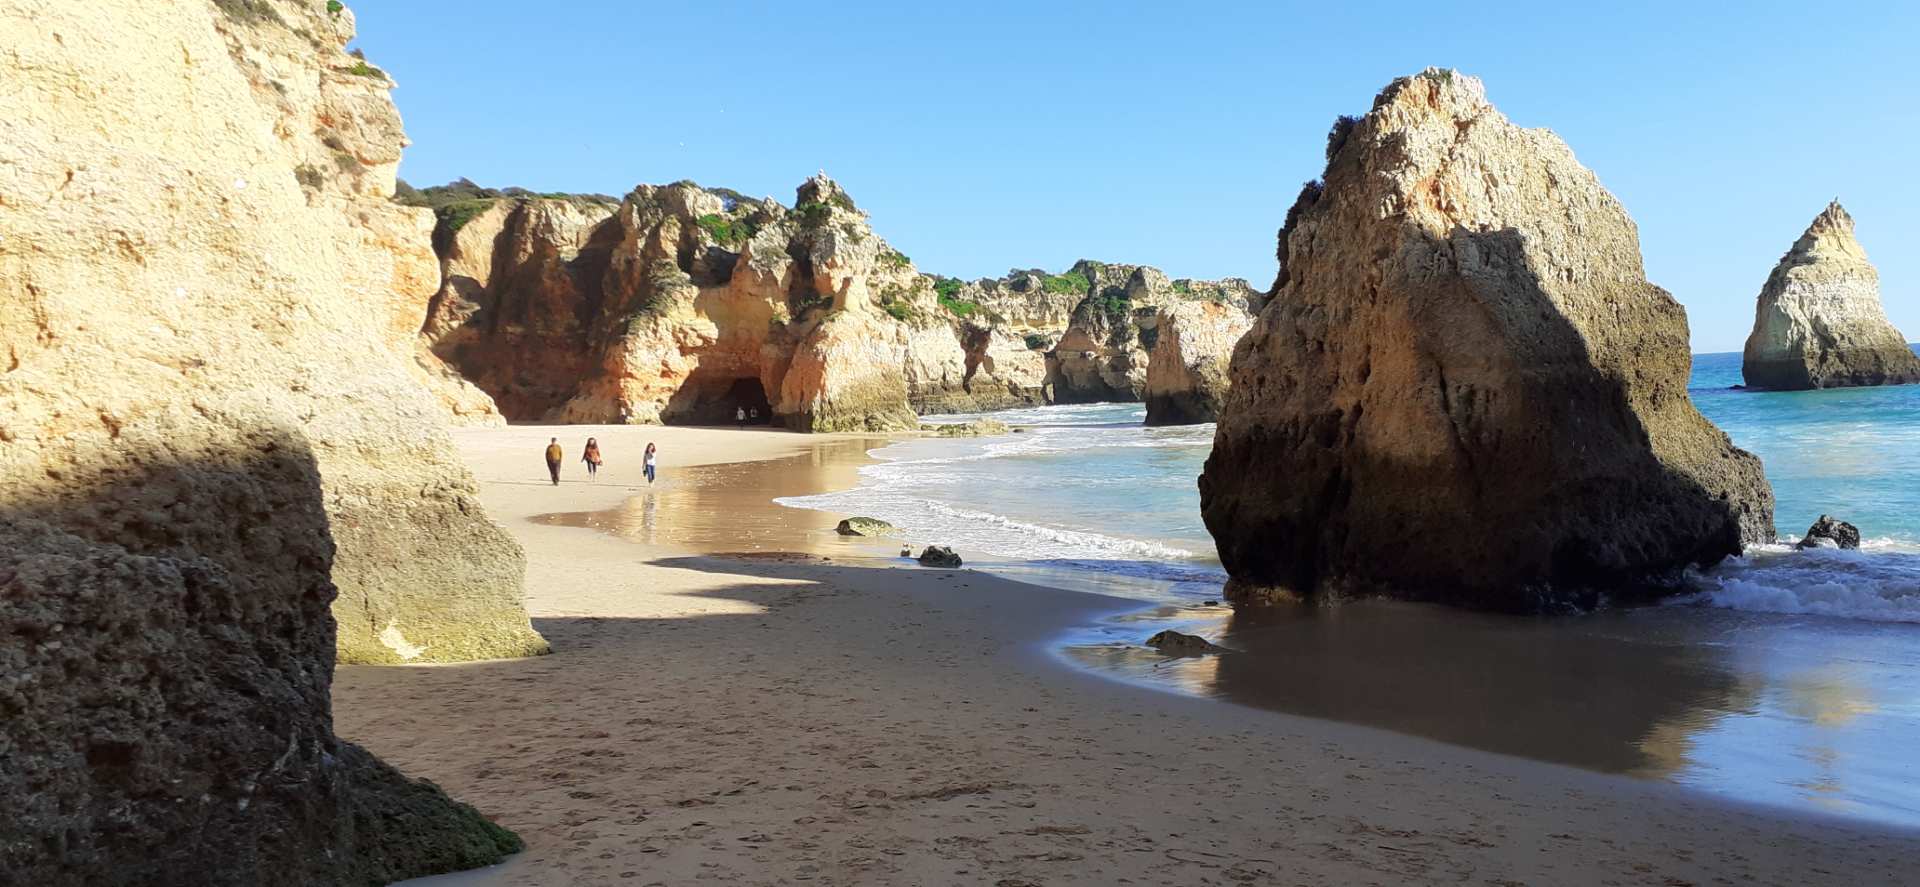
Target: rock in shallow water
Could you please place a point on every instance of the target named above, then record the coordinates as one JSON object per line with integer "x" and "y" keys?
{"x": 1464, "y": 388}
{"x": 1174, "y": 643}
{"x": 866, "y": 526}
{"x": 1828, "y": 532}
{"x": 939, "y": 556}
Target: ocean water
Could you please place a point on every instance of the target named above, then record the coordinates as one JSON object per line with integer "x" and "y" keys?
{"x": 1788, "y": 678}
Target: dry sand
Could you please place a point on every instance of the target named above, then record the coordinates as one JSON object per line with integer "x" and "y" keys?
{"x": 782, "y": 719}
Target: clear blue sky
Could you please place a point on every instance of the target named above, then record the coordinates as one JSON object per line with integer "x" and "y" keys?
{"x": 986, "y": 136}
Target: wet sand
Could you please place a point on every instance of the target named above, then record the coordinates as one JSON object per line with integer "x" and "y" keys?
{"x": 778, "y": 718}
{"x": 1804, "y": 712}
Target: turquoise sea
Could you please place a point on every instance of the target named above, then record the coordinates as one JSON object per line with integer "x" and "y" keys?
{"x": 1788, "y": 678}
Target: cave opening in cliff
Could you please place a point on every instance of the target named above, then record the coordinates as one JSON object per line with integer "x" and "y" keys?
{"x": 715, "y": 401}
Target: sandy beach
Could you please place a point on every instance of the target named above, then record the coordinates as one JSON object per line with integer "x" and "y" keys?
{"x": 746, "y": 699}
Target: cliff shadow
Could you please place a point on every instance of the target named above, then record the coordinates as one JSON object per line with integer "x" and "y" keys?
{"x": 168, "y": 645}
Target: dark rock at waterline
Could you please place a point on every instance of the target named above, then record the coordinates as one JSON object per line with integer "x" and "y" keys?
{"x": 866, "y": 526}
{"x": 1828, "y": 532}
{"x": 939, "y": 556}
{"x": 1174, "y": 643}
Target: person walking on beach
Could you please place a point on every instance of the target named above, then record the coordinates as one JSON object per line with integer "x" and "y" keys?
{"x": 740, "y": 416}
{"x": 648, "y": 461}
{"x": 591, "y": 456}
{"x": 554, "y": 455}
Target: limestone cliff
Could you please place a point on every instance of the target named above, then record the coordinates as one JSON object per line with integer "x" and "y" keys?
{"x": 1819, "y": 322}
{"x": 1187, "y": 365}
{"x": 179, "y": 250}
{"x": 1464, "y": 388}
{"x": 206, "y": 434}
{"x": 685, "y": 304}
{"x": 1103, "y": 353}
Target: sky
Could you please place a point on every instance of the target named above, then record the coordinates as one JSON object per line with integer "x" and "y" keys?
{"x": 985, "y": 136}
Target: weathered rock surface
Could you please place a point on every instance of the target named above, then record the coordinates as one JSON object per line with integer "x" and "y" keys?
{"x": 1463, "y": 387}
{"x": 1173, "y": 643}
{"x": 180, "y": 255}
{"x": 1103, "y": 354}
{"x": 208, "y": 437}
{"x": 939, "y": 556}
{"x": 975, "y": 428}
{"x": 1819, "y": 322}
{"x": 1829, "y": 532}
{"x": 866, "y": 526}
{"x": 1187, "y": 366}
{"x": 683, "y": 304}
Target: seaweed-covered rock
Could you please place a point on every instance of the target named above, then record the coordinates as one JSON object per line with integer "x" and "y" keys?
{"x": 1461, "y": 335}
{"x": 866, "y": 526}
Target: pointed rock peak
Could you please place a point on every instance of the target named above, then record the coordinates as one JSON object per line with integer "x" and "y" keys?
{"x": 821, "y": 189}
{"x": 1832, "y": 219}
{"x": 1829, "y": 236}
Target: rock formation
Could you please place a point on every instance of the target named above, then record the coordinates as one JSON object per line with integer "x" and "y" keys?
{"x": 1463, "y": 387}
{"x": 176, "y": 260}
{"x": 1819, "y": 322}
{"x": 1187, "y": 367}
{"x": 1102, "y": 356}
{"x": 205, "y": 429}
{"x": 1830, "y": 532}
{"x": 683, "y": 303}
{"x": 939, "y": 556}
{"x": 1176, "y": 644}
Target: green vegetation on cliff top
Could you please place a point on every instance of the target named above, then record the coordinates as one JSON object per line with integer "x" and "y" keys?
{"x": 727, "y": 231}
{"x": 459, "y": 201}
{"x": 1070, "y": 283}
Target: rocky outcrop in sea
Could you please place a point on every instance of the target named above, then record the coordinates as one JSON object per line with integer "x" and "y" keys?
{"x": 1103, "y": 354}
{"x": 1464, "y": 388}
{"x": 1187, "y": 366}
{"x": 1819, "y": 322}
{"x": 220, "y": 460}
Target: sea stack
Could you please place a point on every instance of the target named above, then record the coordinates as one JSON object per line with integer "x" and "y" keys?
{"x": 211, "y": 444}
{"x": 1187, "y": 366}
{"x": 1819, "y": 322}
{"x": 1463, "y": 387}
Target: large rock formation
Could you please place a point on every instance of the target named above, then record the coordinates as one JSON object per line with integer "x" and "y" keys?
{"x": 1103, "y": 354}
{"x": 1187, "y": 366}
{"x": 1463, "y": 387}
{"x": 185, "y": 244}
{"x": 683, "y": 304}
{"x": 204, "y": 429}
{"x": 1819, "y": 322}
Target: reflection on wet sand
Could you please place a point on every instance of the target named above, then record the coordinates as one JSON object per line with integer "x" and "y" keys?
{"x": 1765, "y": 708}
{"x": 729, "y": 507}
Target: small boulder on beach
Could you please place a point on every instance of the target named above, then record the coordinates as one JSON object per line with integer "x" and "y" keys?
{"x": 866, "y": 526}
{"x": 939, "y": 556}
{"x": 1174, "y": 643}
{"x": 1828, "y": 532}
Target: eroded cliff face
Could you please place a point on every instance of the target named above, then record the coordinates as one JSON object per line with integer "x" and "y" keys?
{"x": 1187, "y": 366}
{"x": 684, "y": 305}
{"x": 168, "y": 261}
{"x": 1819, "y": 322}
{"x": 1103, "y": 353}
{"x": 1464, "y": 388}
{"x": 210, "y": 442}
